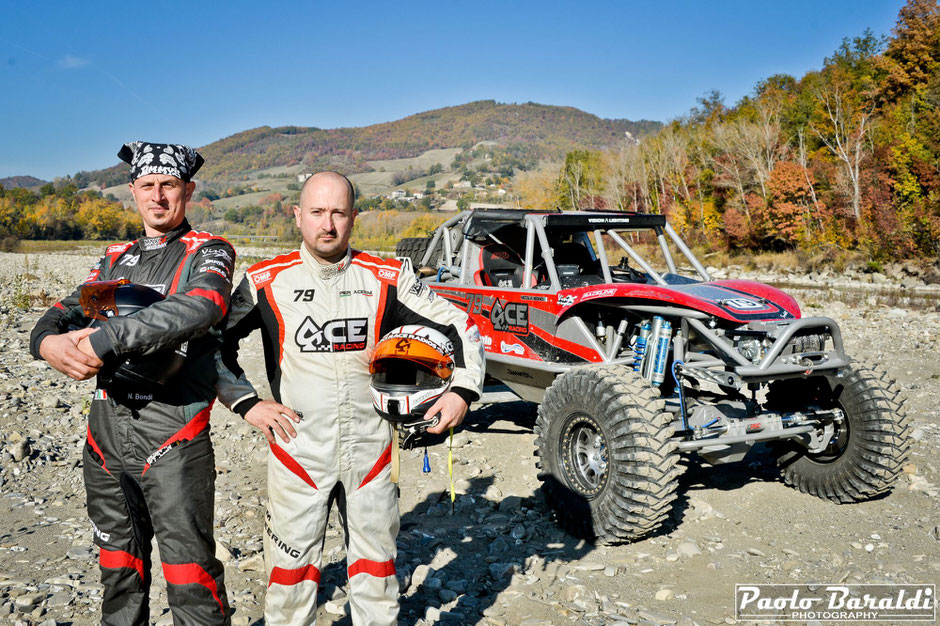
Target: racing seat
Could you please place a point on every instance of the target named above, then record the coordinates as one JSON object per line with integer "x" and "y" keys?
{"x": 500, "y": 267}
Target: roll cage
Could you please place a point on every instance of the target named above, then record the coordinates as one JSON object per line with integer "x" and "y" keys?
{"x": 536, "y": 239}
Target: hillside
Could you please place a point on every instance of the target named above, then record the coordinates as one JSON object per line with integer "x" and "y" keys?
{"x": 537, "y": 131}
{"x": 26, "y": 182}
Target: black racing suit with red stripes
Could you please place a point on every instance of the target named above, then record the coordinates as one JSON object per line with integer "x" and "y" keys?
{"x": 149, "y": 466}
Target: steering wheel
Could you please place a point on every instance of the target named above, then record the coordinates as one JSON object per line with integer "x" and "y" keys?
{"x": 622, "y": 272}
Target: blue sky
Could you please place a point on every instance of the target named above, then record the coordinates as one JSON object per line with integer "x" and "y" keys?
{"x": 79, "y": 79}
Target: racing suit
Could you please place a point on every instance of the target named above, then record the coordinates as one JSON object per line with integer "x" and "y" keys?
{"x": 148, "y": 462}
{"x": 320, "y": 324}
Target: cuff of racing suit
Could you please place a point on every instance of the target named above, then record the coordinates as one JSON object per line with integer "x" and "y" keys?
{"x": 246, "y": 405}
{"x": 37, "y": 341}
{"x": 102, "y": 343}
{"x": 468, "y": 395}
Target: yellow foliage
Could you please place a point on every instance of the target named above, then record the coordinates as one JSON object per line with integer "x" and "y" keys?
{"x": 536, "y": 189}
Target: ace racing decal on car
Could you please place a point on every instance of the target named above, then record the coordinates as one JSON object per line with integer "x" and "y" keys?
{"x": 343, "y": 335}
{"x": 510, "y": 317}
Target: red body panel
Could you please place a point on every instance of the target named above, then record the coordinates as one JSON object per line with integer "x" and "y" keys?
{"x": 523, "y": 323}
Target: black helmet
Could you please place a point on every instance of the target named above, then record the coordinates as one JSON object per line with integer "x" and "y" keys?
{"x": 102, "y": 300}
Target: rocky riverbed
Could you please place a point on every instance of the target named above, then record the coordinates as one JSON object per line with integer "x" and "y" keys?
{"x": 495, "y": 557}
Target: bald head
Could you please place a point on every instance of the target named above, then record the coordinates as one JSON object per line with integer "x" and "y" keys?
{"x": 328, "y": 179}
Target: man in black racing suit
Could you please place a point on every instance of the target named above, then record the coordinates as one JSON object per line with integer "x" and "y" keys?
{"x": 148, "y": 462}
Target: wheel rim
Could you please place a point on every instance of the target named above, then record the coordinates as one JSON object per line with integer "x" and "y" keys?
{"x": 585, "y": 455}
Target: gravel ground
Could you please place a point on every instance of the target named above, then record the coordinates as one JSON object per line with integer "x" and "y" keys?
{"x": 498, "y": 558}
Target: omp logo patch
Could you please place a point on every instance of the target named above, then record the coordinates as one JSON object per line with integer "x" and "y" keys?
{"x": 260, "y": 277}
{"x": 343, "y": 335}
{"x": 387, "y": 273}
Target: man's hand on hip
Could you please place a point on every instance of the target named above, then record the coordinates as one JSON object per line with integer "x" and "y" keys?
{"x": 64, "y": 352}
{"x": 452, "y": 409}
{"x": 270, "y": 417}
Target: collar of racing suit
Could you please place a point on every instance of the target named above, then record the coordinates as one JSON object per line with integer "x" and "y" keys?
{"x": 155, "y": 243}
{"x": 325, "y": 272}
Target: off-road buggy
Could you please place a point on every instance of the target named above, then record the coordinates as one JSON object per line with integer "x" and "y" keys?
{"x": 634, "y": 366}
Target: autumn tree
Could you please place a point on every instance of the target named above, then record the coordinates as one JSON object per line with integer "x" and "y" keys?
{"x": 912, "y": 56}
{"x": 580, "y": 183}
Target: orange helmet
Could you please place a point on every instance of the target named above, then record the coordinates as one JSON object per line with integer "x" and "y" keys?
{"x": 411, "y": 368}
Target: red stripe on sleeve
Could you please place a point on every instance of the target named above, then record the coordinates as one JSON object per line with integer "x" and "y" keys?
{"x": 208, "y": 294}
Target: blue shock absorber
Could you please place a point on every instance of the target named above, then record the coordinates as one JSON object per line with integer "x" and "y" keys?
{"x": 639, "y": 349}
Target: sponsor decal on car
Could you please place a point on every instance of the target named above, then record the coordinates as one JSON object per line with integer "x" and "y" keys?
{"x": 741, "y": 304}
{"x": 598, "y": 293}
{"x": 511, "y": 317}
{"x": 567, "y": 299}
{"x": 475, "y": 305}
{"x": 513, "y": 348}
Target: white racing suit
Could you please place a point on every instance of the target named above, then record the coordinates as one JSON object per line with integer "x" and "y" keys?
{"x": 320, "y": 324}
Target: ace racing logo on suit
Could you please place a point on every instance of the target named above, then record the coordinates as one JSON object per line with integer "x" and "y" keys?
{"x": 344, "y": 335}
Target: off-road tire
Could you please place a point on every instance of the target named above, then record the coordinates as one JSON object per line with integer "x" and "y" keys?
{"x": 869, "y": 448}
{"x": 632, "y": 495}
{"x": 413, "y": 248}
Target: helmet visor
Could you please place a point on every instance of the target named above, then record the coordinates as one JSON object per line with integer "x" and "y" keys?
{"x": 98, "y": 298}
{"x": 399, "y": 348}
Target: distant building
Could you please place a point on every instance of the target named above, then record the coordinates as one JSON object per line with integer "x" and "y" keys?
{"x": 398, "y": 194}
{"x": 303, "y": 177}
{"x": 463, "y": 184}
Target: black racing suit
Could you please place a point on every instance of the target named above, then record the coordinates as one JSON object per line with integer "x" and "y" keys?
{"x": 149, "y": 467}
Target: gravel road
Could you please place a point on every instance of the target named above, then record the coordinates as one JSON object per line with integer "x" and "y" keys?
{"x": 497, "y": 558}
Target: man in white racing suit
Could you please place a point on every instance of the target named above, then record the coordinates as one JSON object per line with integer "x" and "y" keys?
{"x": 321, "y": 310}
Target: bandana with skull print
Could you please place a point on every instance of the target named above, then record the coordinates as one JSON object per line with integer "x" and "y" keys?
{"x": 161, "y": 158}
